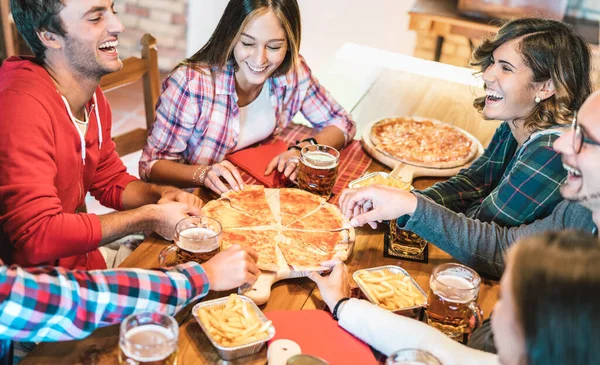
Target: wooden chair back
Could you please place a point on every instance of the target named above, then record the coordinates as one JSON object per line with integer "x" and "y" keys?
{"x": 9, "y": 40}
{"x": 134, "y": 69}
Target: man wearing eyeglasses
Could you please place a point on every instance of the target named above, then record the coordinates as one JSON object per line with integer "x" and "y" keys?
{"x": 482, "y": 245}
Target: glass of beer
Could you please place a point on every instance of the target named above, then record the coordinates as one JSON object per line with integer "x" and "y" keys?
{"x": 318, "y": 169}
{"x": 412, "y": 357}
{"x": 405, "y": 242}
{"x": 196, "y": 239}
{"x": 148, "y": 339}
{"x": 452, "y": 300}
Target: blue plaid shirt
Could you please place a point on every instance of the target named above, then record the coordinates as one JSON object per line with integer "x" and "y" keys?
{"x": 507, "y": 185}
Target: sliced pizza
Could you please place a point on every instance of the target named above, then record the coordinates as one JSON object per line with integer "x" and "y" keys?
{"x": 328, "y": 217}
{"x": 262, "y": 241}
{"x": 252, "y": 201}
{"x": 296, "y": 203}
{"x": 222, "y": 211}
{"x": 307, "y": 250}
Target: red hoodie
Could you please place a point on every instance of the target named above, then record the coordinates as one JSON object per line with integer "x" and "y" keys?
{"x": 42, "y": 175}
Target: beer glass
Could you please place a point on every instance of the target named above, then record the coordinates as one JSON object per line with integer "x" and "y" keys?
{"x": 412, "y": 357}
{"x": 452, "y": 300}
{"x": 148, "y": 339}
{"x": 196, "y": 239}
{"x": 405, "y": 242}
{"x": 318, "y": 169}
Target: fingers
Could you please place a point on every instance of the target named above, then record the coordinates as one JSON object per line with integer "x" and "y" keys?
{"x": 271, "y": 166}
{"x": 361, "y": 219}
{"x": 331, "y": 263}
{"x": 250, "y": 251}
{"x": 213, "y": 182}
{"x": 314, "y": 276}
{"x": 290, "y": 167}
{"x": 235, "y": 173}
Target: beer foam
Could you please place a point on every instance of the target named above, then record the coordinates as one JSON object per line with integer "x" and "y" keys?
{"x": 465, "y": 291}
{"x": 155, "y": 336}
{"x": 195, "y": 240}
{"x": 320, "y": 160}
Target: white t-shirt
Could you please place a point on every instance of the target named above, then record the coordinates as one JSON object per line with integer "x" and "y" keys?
{"x": 257, "y": 120}
{"x": 388, "y": 332}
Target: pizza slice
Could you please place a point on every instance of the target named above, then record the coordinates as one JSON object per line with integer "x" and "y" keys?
{"x": 307, "y": 250}
{"x": 263, "y": 241}
{"x": 326, "y": 218}
{"x": 222, "y": 211}
{"x": 296, "y": 203}
{"x": 252, "y": 201}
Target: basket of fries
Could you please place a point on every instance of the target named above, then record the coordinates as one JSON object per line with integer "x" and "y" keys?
{"x": 235, "y": 326}
{"x": 392, "y": 288}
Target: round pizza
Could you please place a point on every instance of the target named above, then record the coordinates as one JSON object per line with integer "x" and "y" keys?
{"x": 424, "y": 142}
{"x": 285, "y": 226}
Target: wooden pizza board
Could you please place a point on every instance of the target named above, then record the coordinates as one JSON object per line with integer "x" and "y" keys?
{"x": 261, "y": 290}
{"x": 408, "y": 172}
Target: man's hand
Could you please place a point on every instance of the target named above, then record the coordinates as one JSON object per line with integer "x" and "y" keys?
{"x": 227, "y": 171}
{"x": 232, "y": 268}
{"x": 376, "y": 203}
{"x": 286, "y": 163}
{"x": 334, "y": 287}
{"x": 165, "y": 216}
{"x": 172, "y": 194}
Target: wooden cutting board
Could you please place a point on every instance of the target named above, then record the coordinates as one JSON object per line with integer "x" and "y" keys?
{"x": 405, "y": 171}
{"x": 261, "y": 290}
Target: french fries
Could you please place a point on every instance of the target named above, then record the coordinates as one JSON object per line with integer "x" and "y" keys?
{"x": 389, "y": 181}
{"x": 235, "y": 324}
{"x": 389, "y": 290}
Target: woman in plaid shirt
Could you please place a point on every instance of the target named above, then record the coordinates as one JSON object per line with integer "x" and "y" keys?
{"x": 244, "y": 85}
{"x": 536, "y": 74}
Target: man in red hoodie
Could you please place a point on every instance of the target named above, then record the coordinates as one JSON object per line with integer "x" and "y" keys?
{"x": 55, "y": 143}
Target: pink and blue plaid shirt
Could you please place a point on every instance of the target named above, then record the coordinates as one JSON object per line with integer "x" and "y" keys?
{"x": 54, "y": 304}
{"x": 198, "y": 120}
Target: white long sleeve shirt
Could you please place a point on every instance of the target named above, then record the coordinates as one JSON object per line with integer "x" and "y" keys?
{"x": 388, "y": 332}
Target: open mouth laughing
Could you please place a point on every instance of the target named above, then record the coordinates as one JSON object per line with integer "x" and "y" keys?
{"x": 109, "y": 47}
{"x": 492, "y": 96}
{"x": 257, "y": 70}
{"x": 571, "y": 170}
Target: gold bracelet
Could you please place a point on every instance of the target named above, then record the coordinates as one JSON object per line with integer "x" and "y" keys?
{"x": 203, "y": 171}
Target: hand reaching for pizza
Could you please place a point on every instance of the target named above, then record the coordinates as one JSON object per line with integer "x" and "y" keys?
{"x": 232, "y": 268}
{"x": 375, "y": 203}
{"x": 334, "y": 287}
{"x": 227, "y": 171}
{"x": 286, "y": 163}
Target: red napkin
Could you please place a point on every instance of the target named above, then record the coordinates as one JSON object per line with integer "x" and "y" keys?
{"x": 318, "y": 334}
{"x": 254, "y": 162}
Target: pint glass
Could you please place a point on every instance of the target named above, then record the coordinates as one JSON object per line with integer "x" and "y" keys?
{"x": 405, "y": 242}
{"x": 452, "y": 300}
{"x": 196, "y": 239}
{"x": 318, "y": 169}
{"x": 148, "y": 339}
{"x": 412, "y": 357}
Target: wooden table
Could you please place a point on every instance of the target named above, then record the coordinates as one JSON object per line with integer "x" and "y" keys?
{"x": 393, "y": 93}
{"x": 441, "y": 17}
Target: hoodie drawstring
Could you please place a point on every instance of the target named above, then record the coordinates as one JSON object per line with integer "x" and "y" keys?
{"x": 79, "y": 131}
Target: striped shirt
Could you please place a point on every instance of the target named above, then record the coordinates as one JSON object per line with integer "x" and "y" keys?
{"x": 54, "y": 304}
{"x": 198, "y": 119}
{"x": 506, "y": 185}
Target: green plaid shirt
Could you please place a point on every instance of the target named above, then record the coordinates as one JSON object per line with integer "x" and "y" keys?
{"x": 506, "y": 185}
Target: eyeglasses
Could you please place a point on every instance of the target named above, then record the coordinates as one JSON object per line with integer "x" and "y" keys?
{"x": 578, "y": 136}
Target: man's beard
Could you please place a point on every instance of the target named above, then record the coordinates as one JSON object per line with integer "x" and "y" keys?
{"x": 591, "y": 201}
{"x": 83, "y": 60}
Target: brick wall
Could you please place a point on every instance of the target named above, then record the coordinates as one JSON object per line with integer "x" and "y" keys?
{"x": 166, "y": 20}
{"x": 456, "y": 50}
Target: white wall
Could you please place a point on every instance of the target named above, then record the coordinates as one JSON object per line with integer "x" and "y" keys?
{"x": 327, "y": 26}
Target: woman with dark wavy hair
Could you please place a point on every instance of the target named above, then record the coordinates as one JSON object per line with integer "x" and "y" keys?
{"x": 245, "y": 84}
{"x": 536, "y": 74}
{"x": 547, "y": 313}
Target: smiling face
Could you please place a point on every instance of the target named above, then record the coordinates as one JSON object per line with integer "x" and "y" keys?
{"x": 90, "y": 46}
{"x": 583, "y": 181}
{"x": 509, "y": 87}
{"x": 260, "y": 50}
{"x": 508, "y": 332}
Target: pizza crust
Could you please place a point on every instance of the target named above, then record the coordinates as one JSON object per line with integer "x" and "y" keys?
{"x": 299, "y": 249}
{"x": 392, "y": 146}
